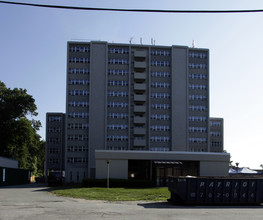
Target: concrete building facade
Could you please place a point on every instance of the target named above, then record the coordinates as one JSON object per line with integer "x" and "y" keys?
{"x": 55, "y": 142}
{"x": 217, "y": 134}
{"x": 134, "y": 98}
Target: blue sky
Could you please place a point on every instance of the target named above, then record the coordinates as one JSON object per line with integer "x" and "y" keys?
{"x": 33, "y": 54}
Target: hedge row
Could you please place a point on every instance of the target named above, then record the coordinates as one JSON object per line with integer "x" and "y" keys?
{"x": 116, "y": 183}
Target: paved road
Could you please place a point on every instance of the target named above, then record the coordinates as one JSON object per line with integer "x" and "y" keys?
{"x": 33, "y": 202}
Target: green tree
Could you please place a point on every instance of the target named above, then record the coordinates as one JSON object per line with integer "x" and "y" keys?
{"x": 41, "y": 158}
{"x": 18, "y": 134}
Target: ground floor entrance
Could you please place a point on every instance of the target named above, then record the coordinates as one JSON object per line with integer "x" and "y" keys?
{"x": 159, "y": 170}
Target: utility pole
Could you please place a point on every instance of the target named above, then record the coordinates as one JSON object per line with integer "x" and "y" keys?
{"x": 108, "y": 174}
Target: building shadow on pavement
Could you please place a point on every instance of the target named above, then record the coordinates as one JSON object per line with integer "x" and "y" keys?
{"x": 167, "y": 205}
{"x": 30, "y": 185}
{"x": 35, "y": 187}
{"x": 157, "y": 205}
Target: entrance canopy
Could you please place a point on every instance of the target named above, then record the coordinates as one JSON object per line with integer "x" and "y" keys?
{"x": 167, "y": 162}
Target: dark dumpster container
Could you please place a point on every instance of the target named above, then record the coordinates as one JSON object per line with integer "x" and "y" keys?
{"x": 215, "y": 191}
{"x": 13, "y": 176}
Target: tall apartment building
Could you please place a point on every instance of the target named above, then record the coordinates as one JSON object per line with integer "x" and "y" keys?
{"x": 216, "y": 134}
{"x": 55, "y": 142}
{"x": 134, "y": 98}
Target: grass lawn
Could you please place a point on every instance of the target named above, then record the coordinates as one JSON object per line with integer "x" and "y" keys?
{"x": 115, "y": 194}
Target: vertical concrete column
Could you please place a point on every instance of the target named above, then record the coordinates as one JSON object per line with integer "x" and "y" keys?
{"x": 98, "y": 98}
{"x": 179, "y": 98}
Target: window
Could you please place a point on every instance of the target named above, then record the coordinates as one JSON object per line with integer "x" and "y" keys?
{"x": 119, "y": 50}
{"x": 160, "y": 74}
{"x": 78, "y": 126}
{"x": 117, "y": 104}
{"x": 160, "y": 106}
{"x": 197, "y": 66}
{"x": 54, "y": 130}
{"x": 77, "y": 149}
{"x": 78, "y": 82}
{"x": 160, "y": 95}
{"x": 215, "y": 123}
{"x": 197, "y": 97}
{"x": 78, "y": 114}
{"x": 53, "y": 150}
{"x": 117, "y": 138}
{"x": 197, "y": 108}
{"x": 78, "y": 137}
{"x": 78, "y": 104}
{"x": 197, "y": 140}
{"x": 161, "y": 52}
{"x": 216, "y": 144}
{"x": 53, "y": 140}
{"x": 197, "y": 76}
{"x": 118, "y": 83}
{"x": 79, "y": 60}
{"x": 77, "y": 160}
{"x": 160, "y": 85}
{"x": 159, "y": 149}
{"x": 160, "y": 117}
{"x": 117, "y": 126}
{"x": 159, "y": 139}
{"x": 118, "y": 72}
{"x": 118, "y": 94}
{"x": 118, "y": 61}
{"x": 197, "y": 86}
{"x": 199, "y": 55}
{"x": 115, "y": 147}
{"x": 198, "y": 149}
{"x": 160, "y": 63}
{"x": 215, "y": 133}
{"x": 160, "y": 127}
{"x": 54, "y": 118}
{"x": 118, "y": 115}
{"x": 78, "y": 71}
{"x": 197, "y": 129}
{"x": 79, "y": 49}
{"x": 197, "y": 118}
{"x": 79, "y": 92}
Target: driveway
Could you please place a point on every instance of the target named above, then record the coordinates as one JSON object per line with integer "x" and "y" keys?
{"x": 34, "y": 202}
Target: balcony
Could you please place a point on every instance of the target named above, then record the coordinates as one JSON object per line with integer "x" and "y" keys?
{"x": 139, "y": 109}
{"x": 140, "y": 53}
{"x": 139, "y": 120}
{"x": 139, "y": 131}
{"x": 139, "y": 143}
{"x": 139, "y": 77}
{"x": 139, "y": 65}
{"x": 139, "y": 98}
{"x": 140, "y": 87}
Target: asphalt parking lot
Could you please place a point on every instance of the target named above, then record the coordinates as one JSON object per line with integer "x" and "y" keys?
{"x": 34, "y": 202}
